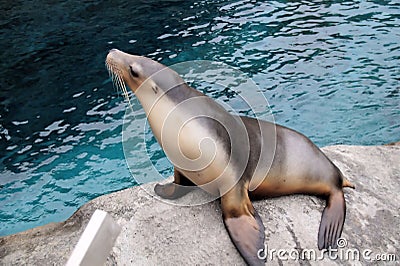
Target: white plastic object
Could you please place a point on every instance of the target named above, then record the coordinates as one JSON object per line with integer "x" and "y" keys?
{"x": 96, "y": 241}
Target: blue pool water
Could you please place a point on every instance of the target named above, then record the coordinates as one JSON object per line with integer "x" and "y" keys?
{"x": 330, "y": 69}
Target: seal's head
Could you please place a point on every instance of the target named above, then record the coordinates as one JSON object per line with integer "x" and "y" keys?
{"x": 139, "y": 72}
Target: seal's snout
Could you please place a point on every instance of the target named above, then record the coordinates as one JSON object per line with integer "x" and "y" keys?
{"x": 114, "y": 58}
{"x": 117, "y": 57}
{"x": 112, "y": 53}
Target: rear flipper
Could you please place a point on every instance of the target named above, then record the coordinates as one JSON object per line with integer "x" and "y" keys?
{"x": 243, "y": 224}
{"x": 332, "y": 221}
{"x": 180, "y": 187}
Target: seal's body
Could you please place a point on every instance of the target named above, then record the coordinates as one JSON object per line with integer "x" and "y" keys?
{"x": 235, "y": 157}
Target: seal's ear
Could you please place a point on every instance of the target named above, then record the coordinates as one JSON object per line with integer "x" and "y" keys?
{"x": 244, "y": 225}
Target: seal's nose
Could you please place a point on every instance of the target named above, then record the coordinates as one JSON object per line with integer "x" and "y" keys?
{"x": 111, "y": 55}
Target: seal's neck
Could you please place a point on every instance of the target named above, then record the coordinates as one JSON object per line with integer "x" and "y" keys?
{"x": 163, "y": 107}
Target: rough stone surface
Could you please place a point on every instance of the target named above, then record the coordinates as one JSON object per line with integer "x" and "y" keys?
{"x": 157, "y": 233}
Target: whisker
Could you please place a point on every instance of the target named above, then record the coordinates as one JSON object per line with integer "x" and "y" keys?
{"x": 118, "y": 82}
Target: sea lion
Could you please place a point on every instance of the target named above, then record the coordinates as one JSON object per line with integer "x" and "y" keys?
{"x": 235, "y": 157}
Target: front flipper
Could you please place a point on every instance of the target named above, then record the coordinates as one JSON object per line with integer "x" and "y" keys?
{"x": 243, "y": 223}
{"x": 180, "y": 187}
{"x": 332, "y": 221}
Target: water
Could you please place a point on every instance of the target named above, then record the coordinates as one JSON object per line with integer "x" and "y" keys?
{"x": 330, "y": 69}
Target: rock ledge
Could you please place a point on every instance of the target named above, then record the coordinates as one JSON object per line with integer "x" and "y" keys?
{"x": 157, "y": 233}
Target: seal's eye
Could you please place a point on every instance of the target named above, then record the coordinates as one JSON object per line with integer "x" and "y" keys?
{"x": 133, "y": 72}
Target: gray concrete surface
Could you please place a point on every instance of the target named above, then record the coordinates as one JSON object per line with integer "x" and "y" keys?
{"x": 157, "y": 233}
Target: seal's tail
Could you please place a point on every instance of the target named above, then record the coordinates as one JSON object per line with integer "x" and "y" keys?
{"x": 332, "y": 221}
{"x": 347, "y": 183}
